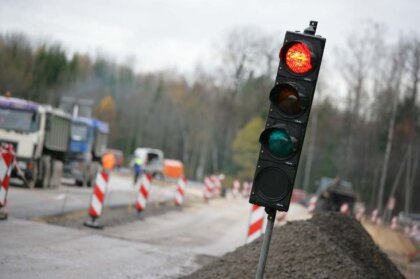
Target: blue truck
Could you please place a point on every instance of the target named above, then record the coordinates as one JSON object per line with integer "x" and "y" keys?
{"x": 87, "y": 145}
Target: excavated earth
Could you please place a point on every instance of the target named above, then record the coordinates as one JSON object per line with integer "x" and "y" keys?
{"x": 329, "y": 245}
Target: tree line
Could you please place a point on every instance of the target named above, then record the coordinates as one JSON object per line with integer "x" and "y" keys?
{"x": 364, "y": 123}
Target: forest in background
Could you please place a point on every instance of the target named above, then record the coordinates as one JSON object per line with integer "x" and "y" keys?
{"x": 364, "y": 125}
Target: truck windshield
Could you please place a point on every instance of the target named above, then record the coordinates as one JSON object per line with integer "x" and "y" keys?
{"x": 79, "y": 132}
{"x": 18, "y": 120}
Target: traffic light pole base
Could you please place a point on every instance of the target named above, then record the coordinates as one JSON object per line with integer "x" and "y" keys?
{"x": 266, "y": 242}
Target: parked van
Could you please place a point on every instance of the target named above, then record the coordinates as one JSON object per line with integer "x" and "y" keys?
{"x": 152, "y": 160}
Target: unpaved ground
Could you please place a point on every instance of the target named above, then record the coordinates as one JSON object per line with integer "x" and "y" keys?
{"x": 111, "y": 216}
{"x": 326, "y": 246}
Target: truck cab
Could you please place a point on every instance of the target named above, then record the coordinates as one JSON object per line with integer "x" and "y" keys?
{"x": 87, "y": 145}
{"x": 40, "y": 137}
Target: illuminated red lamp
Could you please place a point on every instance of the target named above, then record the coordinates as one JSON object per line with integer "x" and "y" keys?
{"x": 298, "y": 58}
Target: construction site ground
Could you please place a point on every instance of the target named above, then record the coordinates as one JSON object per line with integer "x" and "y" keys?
{"x": 41, "y": 240}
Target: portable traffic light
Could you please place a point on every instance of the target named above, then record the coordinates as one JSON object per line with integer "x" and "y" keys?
{"x": 290, "y": 105}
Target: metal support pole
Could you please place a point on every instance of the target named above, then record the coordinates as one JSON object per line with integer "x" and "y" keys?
{"x": 266, "y": 242}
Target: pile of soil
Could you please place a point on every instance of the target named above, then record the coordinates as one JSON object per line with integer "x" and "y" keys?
{"x": 329, "y": 245}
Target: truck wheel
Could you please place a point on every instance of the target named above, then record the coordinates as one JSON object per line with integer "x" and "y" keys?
{"x": 56, "y": 173}
{"x": 32, "y": 182}
{"x": 45, "y": 180}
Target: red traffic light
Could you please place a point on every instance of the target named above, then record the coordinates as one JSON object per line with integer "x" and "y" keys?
{"x": 298, "y": 58}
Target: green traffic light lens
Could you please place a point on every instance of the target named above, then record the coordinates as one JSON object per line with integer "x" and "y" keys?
{"x": 278, "y": 142}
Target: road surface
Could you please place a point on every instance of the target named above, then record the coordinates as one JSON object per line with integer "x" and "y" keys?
{"x": 161, "y": 246}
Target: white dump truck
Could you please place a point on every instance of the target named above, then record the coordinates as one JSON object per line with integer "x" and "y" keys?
{"x": 40, "y": 136}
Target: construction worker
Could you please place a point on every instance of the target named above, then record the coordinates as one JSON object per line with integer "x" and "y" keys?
{"x": 138, "y": 162}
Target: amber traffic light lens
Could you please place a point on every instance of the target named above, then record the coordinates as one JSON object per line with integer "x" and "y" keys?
{"x": 288, "y": 100}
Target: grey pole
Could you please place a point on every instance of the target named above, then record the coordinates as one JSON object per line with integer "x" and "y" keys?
{"x": 266, "y": 243}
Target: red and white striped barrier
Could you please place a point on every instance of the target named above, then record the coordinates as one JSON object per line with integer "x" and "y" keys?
{"x": 143, "y": 192}
{"x": 360, "y": 214}
{"x": 345, "y": 209}
{"x": 98, "y": 198}
{"x": 99, "y": 192}
{"x": 6, "y": 162}
{"x": 246, "y": 190}
{"x": 312, "y": 204}
{"x": 236, "y": 187}
{"x": 256, "y": 223}
{"x": 217, "y": 185}
{"x": 180, "y": 191}
{"x": 208, "y": 188}
{"x": 394, "y": 223}
{"x": 374, "y": 216}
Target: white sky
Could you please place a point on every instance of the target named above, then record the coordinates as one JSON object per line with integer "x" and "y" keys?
{"x": 158, "y": 34}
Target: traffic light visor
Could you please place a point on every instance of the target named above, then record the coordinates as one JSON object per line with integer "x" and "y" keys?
{"x": 278, "y": 142}
{"x": 297, "y": 57}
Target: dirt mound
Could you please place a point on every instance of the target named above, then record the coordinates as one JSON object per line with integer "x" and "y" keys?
{"x": 327, "y": 246}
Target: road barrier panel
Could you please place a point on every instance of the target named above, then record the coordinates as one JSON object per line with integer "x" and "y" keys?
{"x": 143, "y": 193}
{"x": 98, "y": 198}
{"x": 7, "y": 157}
{"x": 180, "y": 191}
{"x": 256, "y": 223}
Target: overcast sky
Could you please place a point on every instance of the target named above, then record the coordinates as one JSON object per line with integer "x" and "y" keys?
{"x": 158, "y": 34}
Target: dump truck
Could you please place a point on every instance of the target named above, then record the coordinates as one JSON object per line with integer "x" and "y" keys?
{"x": 87, "y": 146}
{"x": 40, "y": 136}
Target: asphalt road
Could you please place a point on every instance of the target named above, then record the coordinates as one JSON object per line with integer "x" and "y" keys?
{"x": 161, "y": 246}
{"x": 28, "y": 204}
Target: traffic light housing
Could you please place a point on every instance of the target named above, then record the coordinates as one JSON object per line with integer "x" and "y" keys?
{"x": 290, "y": 104}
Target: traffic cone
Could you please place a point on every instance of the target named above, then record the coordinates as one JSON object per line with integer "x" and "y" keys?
{"x": 180, "y": 191}
{"x": 98, "y": 198}
{"x": 256, "y": 222}
{"x": 6, "y": 159}
{"x": 143, "y": 192}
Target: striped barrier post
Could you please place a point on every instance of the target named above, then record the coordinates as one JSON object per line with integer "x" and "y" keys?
{"x": 345, "y": 209}
{"x": 374, "y": 216}
{"x": 394, "y": 223}
{"x": 217, "y": 185}
{"x": 312, "y": 204}
{"x": 98, "y": 198}
{"x": 235, "y": 188}
{"x": 208, "y": 189}
{"x": 143, "y": 192}
{"x": 256, "y": 222}
{"x": 246, "y": 189}
{"x": 180, "y": 191}
{"x": 6, "y": 160}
